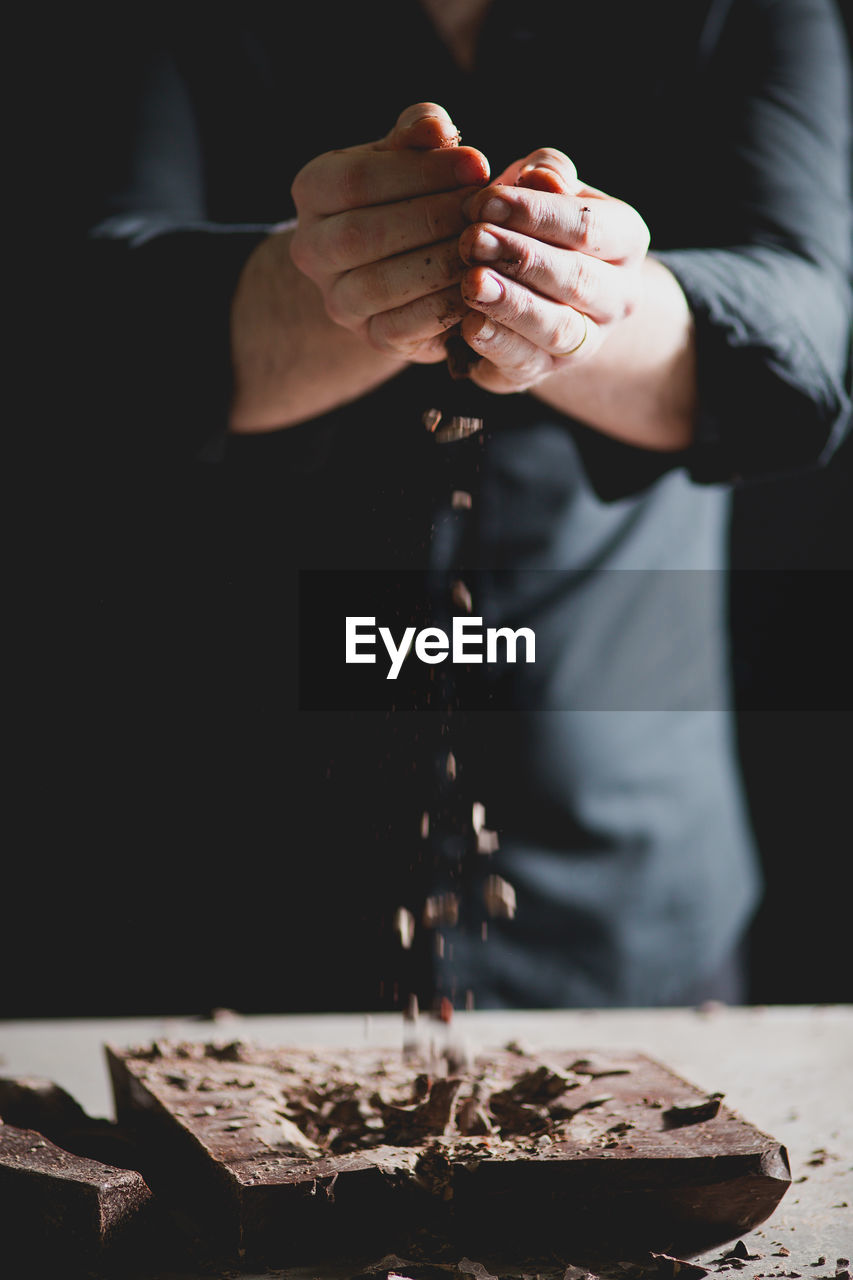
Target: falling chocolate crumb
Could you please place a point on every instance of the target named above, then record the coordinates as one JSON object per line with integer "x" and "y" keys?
{"x": 440, "y": 909}
{"x": 461, "y": 597}
{"x": 499, "y": 897}
{"x": 487, "y": 841}
{"x": 404, "y": 927}
{"x": 459, "y": 428}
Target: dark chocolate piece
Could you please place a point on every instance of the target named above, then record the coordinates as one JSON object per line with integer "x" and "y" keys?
{"x": 56, "y": 1204}
{"x": 460, "y": 357}
{"x": 289, "y": 1150}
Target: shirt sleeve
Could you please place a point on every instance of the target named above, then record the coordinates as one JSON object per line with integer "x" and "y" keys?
{"x": 155, "y": 275}
{"x": 771, "y": 295}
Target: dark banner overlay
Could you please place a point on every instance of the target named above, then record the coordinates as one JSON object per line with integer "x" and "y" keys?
{"x": 539, "y": 640}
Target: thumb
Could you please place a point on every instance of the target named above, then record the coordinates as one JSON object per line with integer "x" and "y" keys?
{"x": 423, "y": 127}
{"x": 544, "y": 170}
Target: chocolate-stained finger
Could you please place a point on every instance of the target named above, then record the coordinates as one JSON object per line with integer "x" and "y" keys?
{"x": 359, "y": 236}
{"x": 361, "y": 177}
{"x": 554, "y": 327}
{"x": 556, "y": 171}
{"x": 598, "y": 226}
{"x": 393, "y": 282}
{"x": 423, "y": 126}
{"x": 600, "y": 289}
{"x": 405, "y": 329}
{"x": 516, "y": 358}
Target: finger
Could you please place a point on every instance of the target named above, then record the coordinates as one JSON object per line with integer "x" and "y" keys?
{"x": 393, "y": 282}
{"x": 588, "y": 223}
{"x": 423, "y": 126}
{"x": 513, "y": 359}
{"x": 553, "y": 169}
{"x": 599, "y": 289}
{"x": 361, "y": 176}
{"x": 359, "y": 236}
{"x": 406, "y": 330}
{"x": 554, "y": 327}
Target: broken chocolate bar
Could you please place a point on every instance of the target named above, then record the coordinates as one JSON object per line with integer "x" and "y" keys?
{"x": 56, "y": 1204}
{"x": 287, "y": 1152}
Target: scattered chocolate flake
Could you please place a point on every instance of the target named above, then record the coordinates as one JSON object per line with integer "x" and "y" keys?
{"x": 440, "y": 909}
{"x": 782, "y": 1252}
{"x": 410, "y": 1125}
{"x": 692, "y": 1113}
{"x": 740, "y": 1251}
{"x": 471, "y": 1119}
{"x": 434, "y": 1171}
{"x": 499, "y": 897}
{"x": 598, "y": 1067}
{"x": 671, "y": 1267}
{"x": 230, "y": 1052}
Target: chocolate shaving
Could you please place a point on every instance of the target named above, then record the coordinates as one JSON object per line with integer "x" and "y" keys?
{"x": 693, "y": 1113}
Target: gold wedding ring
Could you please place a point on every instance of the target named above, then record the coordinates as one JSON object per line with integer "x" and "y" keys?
{"x": 571, "y": 351}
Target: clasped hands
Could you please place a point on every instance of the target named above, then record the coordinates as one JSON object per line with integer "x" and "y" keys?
{"x": 407, "y": 239}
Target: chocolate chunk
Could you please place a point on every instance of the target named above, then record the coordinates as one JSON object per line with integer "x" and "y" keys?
{"x": 692, "y": 1112}
{"x": 460, "y": 357}
{"x": 55, "y": 1203}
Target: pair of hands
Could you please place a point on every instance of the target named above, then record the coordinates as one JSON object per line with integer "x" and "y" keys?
{"x": 406, "y": 240}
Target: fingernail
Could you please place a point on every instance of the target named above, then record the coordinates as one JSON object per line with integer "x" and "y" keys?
{"x": 485, "y": 331}
{"x": 468, "y": 169}
{"x": 489, "y": 289}
{"x": 495, "y": 210}
{"x": 487, "y": 248}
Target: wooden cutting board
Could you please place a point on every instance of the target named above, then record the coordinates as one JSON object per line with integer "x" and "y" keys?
{"x": 285, "y": 1154}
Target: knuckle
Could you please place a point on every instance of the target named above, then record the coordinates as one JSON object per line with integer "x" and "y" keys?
{"x": 350, "y": 243}
{"x": 562, "y": 335}
{"x": 339, "y": 301}
{"x": 355, "y": 182}
{"x": 587, "y": 227}
{"x": 525, "y": 259}
{"x": 579, "y": 279}
{"x": 381, "y": 334}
